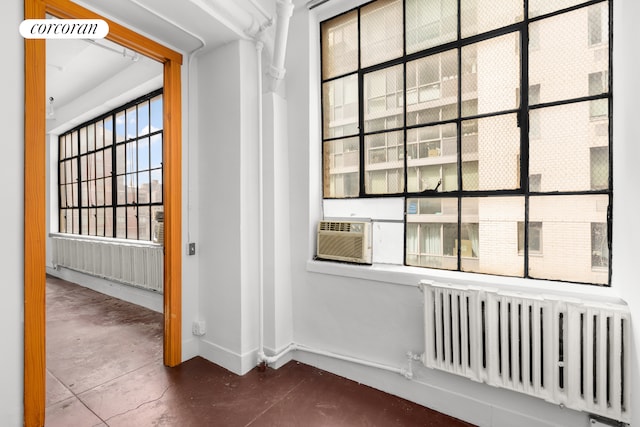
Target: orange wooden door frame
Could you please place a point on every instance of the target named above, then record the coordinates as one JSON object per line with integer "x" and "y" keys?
{"x": 35, "y": 190}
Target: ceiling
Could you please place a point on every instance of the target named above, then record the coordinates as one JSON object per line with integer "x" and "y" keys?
{"x": 82, "y": 74}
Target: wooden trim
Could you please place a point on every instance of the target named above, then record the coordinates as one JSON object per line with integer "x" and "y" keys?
{"x": 35, "y": 190}
{"x": 34, "y": 224}
{"x": 172, "y": 169}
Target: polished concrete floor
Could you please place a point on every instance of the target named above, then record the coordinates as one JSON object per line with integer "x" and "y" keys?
{"x": 104, "y": 368}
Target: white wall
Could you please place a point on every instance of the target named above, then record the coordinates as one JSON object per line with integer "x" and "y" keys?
{"x": 374, "y": 315}
{"x": 11, "y": 173}
{"x": 228, "y": 199}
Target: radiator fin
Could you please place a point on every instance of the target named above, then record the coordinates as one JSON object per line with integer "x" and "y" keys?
{"x": 136, "y": 265}
{"x": 565, "y": 351}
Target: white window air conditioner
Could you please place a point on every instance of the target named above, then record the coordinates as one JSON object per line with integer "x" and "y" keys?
{"x": 348, "y": 241}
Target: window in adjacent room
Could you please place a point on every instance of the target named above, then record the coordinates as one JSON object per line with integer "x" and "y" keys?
{"x": 110, "y": 172}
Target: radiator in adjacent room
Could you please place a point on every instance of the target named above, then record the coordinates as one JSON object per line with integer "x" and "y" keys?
{"x": 566, "y": 351}
{"x": 139, "y": 265}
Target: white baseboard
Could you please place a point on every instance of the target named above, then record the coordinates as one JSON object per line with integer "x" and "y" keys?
{"x": 237, "y": 363}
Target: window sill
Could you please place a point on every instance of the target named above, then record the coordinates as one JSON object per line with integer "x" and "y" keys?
{"x": 411, "y": 276}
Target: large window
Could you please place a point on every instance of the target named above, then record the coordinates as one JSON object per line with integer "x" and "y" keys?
{"x": 491, "y": 120}
{"x": 110, "y": 172}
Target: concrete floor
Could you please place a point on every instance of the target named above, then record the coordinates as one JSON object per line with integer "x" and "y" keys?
{"x": 104, "y": 368}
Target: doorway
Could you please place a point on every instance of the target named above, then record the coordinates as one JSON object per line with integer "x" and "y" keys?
{"x": 35, "y": 203}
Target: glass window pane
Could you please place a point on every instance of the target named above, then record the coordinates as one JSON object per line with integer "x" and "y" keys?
{"x": 564, "y": 65}
{"x": 143, "y": 154}
{"x": 75, "y": 221}
{"x": 432, "y": 233}
{"x": 143, "y": 118}
{"x": 91, "y": 137}
{"x": 99, "y": 165}
{"x": 120, "y": 159}
{"x": 74, "y": 144}
{"x": 599, "y": 168}
{"x": 121, "y": 223}
{"x": 384, "y": 163}
{"x": 120, "y": 126}
{"x": 542, "y": 7}
{"x": 562, "y": 154}
{"x": 83, "y": 140}
{"x": 108, "y": 131}
{"x": 132, "y": 222}
{"x": 156, "y": 114}
{"x": 84, "y": 224}
{"x": 483, "y": 219}
{"x": 100, "y": 222}
{"x": 108, "y": 165}
{"x": 92, "y": 196}
{"x": 430, "y": 23}
{"x": 340, "y": 107}
{"x": 62, "y": 173}
{"x": 578, "y": 251}
{"x": 479, "y": 16}
{"x": 108, "y": 222}
{"x": 84, "y": 197}
{"x": 62, "y": 223}
{"x": 83, "y": 168}
{"x": 144, "y": 187}
{"x": 132, "y": 188}
{"x": 99, "y": 196}
{"x": 383, "y": 99}
{"x": 91, "y": 166}
{"x": 341, "y": 163}
{"x": 380, "y": 32}
{"x": 340, "y": 45}
{"x": 121, "y": 189}
{"x": 156, "y": 186}
{"x": 63, "y": 196}
{"x": 429, "y": 151}
{"x": 156, "y": 151}
{"x": 432, "y": 88}
{"x": 92, "y": 222}
{"x": 68, "y": 145}
{"x": 131, "y": 156}
{"x": 61, "y": 148}
{"x": 132, "y": 122}
{"x": 144, "y": 223}
{"x": 491, "y": 75}
{"x": 496, "y": 149}
{"x": 108, "y": 192}
{"x": 99, "y": 134}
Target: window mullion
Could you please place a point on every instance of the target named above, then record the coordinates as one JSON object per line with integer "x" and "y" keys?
{"x": 524, "y": 129}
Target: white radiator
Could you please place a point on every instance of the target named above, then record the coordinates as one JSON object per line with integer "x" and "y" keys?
{"x": 136, "y": 265}
{"x": 569, "y": 352}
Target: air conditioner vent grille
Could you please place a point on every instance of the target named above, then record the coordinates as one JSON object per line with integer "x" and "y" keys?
{"x": 335, "y": 226}
{"x": 346, "y": 246}
{"x": 347, "y": 241}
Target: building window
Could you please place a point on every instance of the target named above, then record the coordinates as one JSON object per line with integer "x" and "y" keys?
{"x": 535, "y": 237}
{"x": 599, "y": 246}
{"x": 434, "y": 103}
{"x": 110, "y": 172}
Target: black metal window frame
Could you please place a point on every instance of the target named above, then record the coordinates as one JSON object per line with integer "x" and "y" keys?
{"x": 76, "y": 174}
{"x": 522, "y": 112}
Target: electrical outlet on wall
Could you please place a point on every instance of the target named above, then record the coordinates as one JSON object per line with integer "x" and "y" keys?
{"x": 198, "y": 328}
{"x": 191, "y": 249}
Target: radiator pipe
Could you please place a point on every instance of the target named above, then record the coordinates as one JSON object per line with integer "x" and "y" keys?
{"x": 407, "y": 373}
